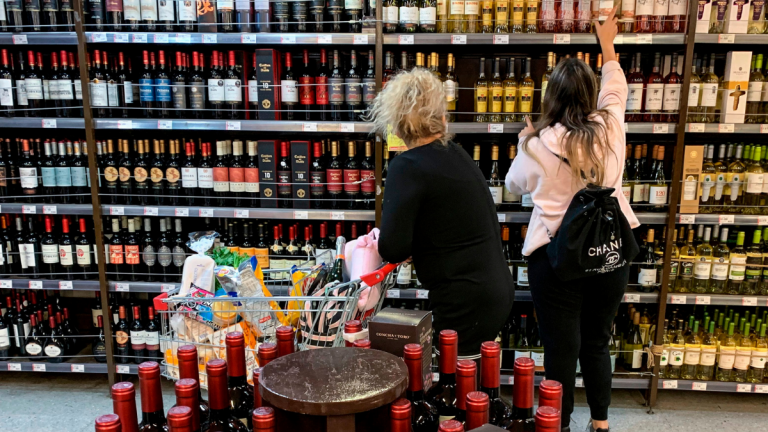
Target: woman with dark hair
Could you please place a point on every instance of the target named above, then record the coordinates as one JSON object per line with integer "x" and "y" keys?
{"x": 580, "y": 133}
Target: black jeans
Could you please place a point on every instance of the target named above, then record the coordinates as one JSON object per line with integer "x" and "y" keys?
{"x": 575, "y": 323}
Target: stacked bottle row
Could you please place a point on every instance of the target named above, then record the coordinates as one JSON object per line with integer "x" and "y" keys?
{"x": 733, "y": 182}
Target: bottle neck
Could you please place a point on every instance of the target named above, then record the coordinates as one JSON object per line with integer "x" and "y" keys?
{"x": 493, "y": 393}
{"x": 157, "y": 417}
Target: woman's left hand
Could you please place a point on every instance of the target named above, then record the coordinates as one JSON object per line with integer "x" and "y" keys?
{"x": 529, "y": 129}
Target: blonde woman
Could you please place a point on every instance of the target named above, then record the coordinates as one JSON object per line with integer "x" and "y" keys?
{"x": 438, "y": 210}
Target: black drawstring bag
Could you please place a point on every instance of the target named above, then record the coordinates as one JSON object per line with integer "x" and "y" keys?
{"x": 594, "y": 237}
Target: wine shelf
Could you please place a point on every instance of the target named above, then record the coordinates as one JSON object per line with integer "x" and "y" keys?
{"x": 42, "y": 122}
{"x": 240, "y": 213}
{"x": 722, "y": 219}
{"x": 233, "y": 125}
{"x": 731, "y": 39}
{"x": 142, "y": 287}
{"x": 520, "y": 295}
{"x": 232, "y": 38}
{"x": 717, "y": 299}
{"x": 38, "y": 38}
{"x": 525, "y": 217}
{"x": 46, "y": 284}
{"x": 527, "y": 39}
{"x": 617, "y": 383}
{"x": 515, "y": 127}
{"x": 74, "y": 366}
{"x": 62, "y": 209}
{"x": 712, "y": 386}
{"x": 726, "y": 128}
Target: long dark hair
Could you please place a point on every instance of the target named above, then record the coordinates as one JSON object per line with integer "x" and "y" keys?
{"x": 571, "y": 100}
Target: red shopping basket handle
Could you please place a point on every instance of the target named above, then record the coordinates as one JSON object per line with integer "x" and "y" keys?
{"x": 378, "y": 276}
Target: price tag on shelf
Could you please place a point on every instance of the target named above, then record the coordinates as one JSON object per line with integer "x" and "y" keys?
{"x": 696, "y": 127}
{"x": 422, "y": 294}
{"x": 743, "y": 388}
{"x": 562, "y": 39}
{"x": 631, "y": 298}
{"x": 116, "y": 211}
{"x": 495, "y": 127}
{"x": 405, "y": 39}
{"x": 210, "y": 38}
{"x": 183, "y": 38}
{"x": 151, "y": 211}
{"x": 501, "y": 39}
{"x": 687, "y": 218}
{"x": 502, "y": 217}
{"x": 161, "y": 37}
{"x": 579, "y": 382}
{"x": 123, "y": 369}
{"x": 122, "y": 287}
{"x": 762, "y": 220}
{"x": 626, "y": 128}
{"x": 619, "y": 39}
{"x": 749, "y": 301}
{"x": 22, "y": 39}
{"x": 233, "y": 125}
{"x": 242, "y": 213}
{"x": 763, "y": 128}
{"x": 49, "y": 123}
{"x": 65, "y": 285}
{"x": 325, "y": 39}
{"x": 125, "y": 124}
{"x": 703, "y": 300}
{"x": 669, "y": 384}
{"x": 167, "y": 287}
{"x": 725, "y": 219}
{"x": 346, "y": 127}
{"x": 34, "y": 284}
{"x": 206, "y": 212}
{"x": 725, "y": 128}
{"x": 6, "y": 283}
{"x": 338, "y": 215}
{"x": 29, "y": 209}
{"x": 458, "y": 39}
{"x": 95, "y": 37}
{"x": 678, "y": 299}
{"x": 309, "y": 127}
{"x": 165, "y": 124}
{"x": 393, "y": 293}
{"x": 661, "y": 128}
{"x": 139, "y": 37}
{"x": 726, "y": 38}
{"x": 50, "y": 209}
{"x": 761, "y": 388}
{"x": 360, "y": 39}
{"x": 288, "y": 39}
{"x": 435, "y": 377}
{"x": 78, "y": 368}
{"x": 38, "y": 367}
{"x": 181, "y": 212}
{"x": 15, "y": 367}
{"x": 700, "y": 386}
{"x": 301, "y": 215}
{"x": 644, "y": 39}
{"x": 120, "y": 37}
{"x": 250, "y": 38}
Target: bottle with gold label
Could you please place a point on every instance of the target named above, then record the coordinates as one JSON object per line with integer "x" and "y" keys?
{"x": 481, "y": 94}
{"x": 510, "y": 92}
{"x": 531, "y": 15}
{"x": 526, "y": 89}
{"x": 510, "y": 199}
{"x": 502, "y": 16}
{"x": 516, "y": 20}
{"x": 435, "y": 64}
{"x": 495, "y": 183}
{"x": 708, "y": 176}
{"x": 471, "y": 16}
{"x": 546, "y": 76}
{"x": 451, "y": 89}
{"x": 496, "y": 93}
{"x": 486, "y": 15}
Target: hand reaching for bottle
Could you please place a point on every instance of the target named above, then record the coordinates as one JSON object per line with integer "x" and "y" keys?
{"x": 606, "y": 33}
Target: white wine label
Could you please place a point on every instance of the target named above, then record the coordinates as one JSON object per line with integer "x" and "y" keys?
{"x": 708, "y": 94}
{"x": 522, "y": 275}
{"x": 52, "y": 351}
{"x": 708, "y": 356}
{"x": 720, "y": 269}
{"x": 694, "y": 95}
{"x": 99, "y": 96}
{"x": 637, "y": 358}
{"x": 672, "y": 97}
{"x": 288, "y": 91}
{"x": 522, "y": 354}
{"x": 427, "y": 15}
{"x": 496, "y": 194}
{"x": 654, "y": 97}
{"x": 743, "y": 356}
{"x": 755, "y": 183}
{"x": 34, "y": 88}
{"x": 390, "y": 14}
{"x": 50, "y": 254}
{"x": 627, "y": 191}
{"x": 457, "y": 7}
{"x": 233, "y": 91}
{"x": 149, "y": 10}
{"x": 658, "y": 195}
{"x": 727, "y": 358}
{"x": 471, "y": 7}
{"x": 661, "y": 8}
{"x": 702, "y": 269}
{"x": 151, "y": 337}
{"x": 692, "y": 354}
{"x": 676, "y": 357}
{"x": 409, "y": 15}
{"x": 187, "y": 10}
{"x": 509, "y": 197}
{"x": 165, "y": 10}
{"x": 538, "y": 358}
{"x": 758, "y": 358}
{"x": 638, "y": 194}
{"x": 647, "y": 277}
{"x": 664, "y": 357}
{"x": 205, "y": 178}
{"x": 527, "y": 201}
{"x": 755, "y": 91}
{"x": 253, "y": 91}
{"x": 216, "y": 90}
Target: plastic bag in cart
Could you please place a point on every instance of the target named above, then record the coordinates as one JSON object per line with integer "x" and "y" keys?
{"x": 198, "y": 269}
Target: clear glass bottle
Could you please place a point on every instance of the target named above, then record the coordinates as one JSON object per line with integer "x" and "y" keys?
{"x": 687, "y": 259}
{"x": 720, "y": 256}
{"x": 510, "y": 92}
{"x": 692, "y": 353}
{"x": 526, "y": 90}
{"x": 481, "y": 94}
{"x": 755, "y": 92}
{"x": 756, "y": 371}
{"x": 703, "y": 266}
{"x": 727, "y": 351}
{"x": 496, "y": 93}
{"x": 706, "y": 368}
{"x": 743, "y": 356}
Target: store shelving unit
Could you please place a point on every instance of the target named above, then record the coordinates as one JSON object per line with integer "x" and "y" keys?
{"x": 713, "y": 386}
{"x": 232, "y": 125}
{"x": 42, "y": 122}
{"x": 182, "y": 38}
{"x": 34, "y": 208}
{"x": 38, "y": 38}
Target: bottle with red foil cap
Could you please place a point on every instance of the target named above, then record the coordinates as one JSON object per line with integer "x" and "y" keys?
{"x": 466, "y": 382}
{"x": 240, "y": 393}
{"x": 189, "y": 369}
{"x": 256, "y": 396}
{"x": 263, "y": 419}
{"x": 351, "y": 327}
{"x": 222, "y": 418}
{"x": 267, "y": 352}
{"x": 188, "y": 395}
{"x": 443, "y": 394}
{"x": 124, "y": 405}
{"x": 180, "y": 419}
{"x": 285, "y": 336}
{"x": 152, "y": 414}
{"x": 400, "y": 416}
{"x": 551, "y": 394}
{"x": 424, "y": 415}
{"x": 478, "y": 407}
{"x": 108, "y": 423}
{"x": 451, "y": 426}
{"x": 362, "y": 343}
{"x": 490, "y": 369}
{"x": 522, "y": 397}
{"x": 547, "y": 419}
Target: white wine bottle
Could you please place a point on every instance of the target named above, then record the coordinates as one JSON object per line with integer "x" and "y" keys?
{"x": 703, "y": 267}
{"x": 706, "y": 368}
{"x": 720, "y": 254}
{"x": 727, "y": 356}
{"x": 692, "y": 353}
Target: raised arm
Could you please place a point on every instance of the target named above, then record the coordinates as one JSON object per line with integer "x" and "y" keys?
{"x": 613, "y": 94}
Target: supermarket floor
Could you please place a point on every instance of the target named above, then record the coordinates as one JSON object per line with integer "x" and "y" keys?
{"x": 66, "y": 403}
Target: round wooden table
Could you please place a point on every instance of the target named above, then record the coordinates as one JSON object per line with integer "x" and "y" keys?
{"x": 333, "y": 389}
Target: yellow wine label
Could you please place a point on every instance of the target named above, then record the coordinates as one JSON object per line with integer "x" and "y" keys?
{"x": 544, "y": 89}
{"x": 531, "y": 12}
{"x": 502, "y": 11}
{"x": 487, "y": 12}
{"x": 526, "y": 99}
{"x": 481, "y": 99}
{"x": 518, "y": 6}
{"x": 497, "y": 98}
{"x": 510, "y": 99}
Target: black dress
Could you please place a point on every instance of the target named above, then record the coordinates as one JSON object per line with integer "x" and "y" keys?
{"x": 438, "y": 210}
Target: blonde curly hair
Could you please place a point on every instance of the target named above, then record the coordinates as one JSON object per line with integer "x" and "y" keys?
{"x": 413, "y": 106}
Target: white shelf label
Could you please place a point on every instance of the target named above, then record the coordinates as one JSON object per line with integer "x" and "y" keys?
{"x": 393, "y": 293}
{"x": 696, "y": 127}
{"x": 726, "y": 38}
{"x": 116, "y": 211}
{"x": 458, "y": 39}
{"x": 29, "y": 209}
{"x": 762, "y": 220}
{"x": 422, "y": 294}
{"x": 167, "y": 287}
{"x": 120, "y": 37}
{"x": 38, "y": 367}
{"x": 242, "y": 213}
{"x": 325, "y": 39}
{"x": 749, "y": 301}
{"x": 501, "y": 39}
{"x": 301, "y": 215}
{"x": 33, "y": 284}
{"x": 661, "y": 128}
{"x": 139, "y": 37}
{"x": 687, "y": 218}
{"x": 95, "y": 37}
{"x": 151, "y": 211}
{"x": 122, "y": 287}
{"x": 644, "y": 39}
{"x": 579, "y": 382}
{"x": 123, "y": 369}
{"x": 669, "y": 384}
{"x": 678, "y": 299}
{"x": 502, "y": 217}
{"x": 78, "y": 368}
{"x": 161, "y": 38}
{"x": 763, "y": 128}
{"x": 496, "y": 128}
{"x": 743, "y": 388}
{"x": 65, "y": 285}
{"x": 16, "y": 367}
{"x": 619, "y": 39}
{"x": 125, "y": 124}
{"x": 761, "y": 388}
{"x": 338, "y": 215}
{"x": 288, "y": 39}
{"x": 6, "y": 284}
{"x": 309, "y": 127}
{"x": 703, "y": 300}
{"x": 725, "y": 128}
{"x": 50, "y": 209}
{"x": 346, "y": 127}
{"x": 249, "y": 38}
{"x": 435, "y": 377}
{"x": 631, "y": 298}
{"x": 405, "y": 39}
{"x": 183, "y": 38}
{"x": 725, "y": 219}
{"x": 233, "y": 125}
{"x": 206, "y": 212}
{"x": 181, "y": 212}
{"x": 22, "y": 39}
{"x": 165, "y": 124}
{"x": 360, "y": 39}
{"x": 49, "y": 123}
{"x": 510, "y": 379}
{"x": 626, "y": 128}
{"x": 210, "y": 38}
{"x": 700, "y": 386}
{"x": 562, "y": 39}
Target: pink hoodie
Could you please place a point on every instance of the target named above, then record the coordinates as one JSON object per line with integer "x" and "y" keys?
{"x": 550, "y": 182}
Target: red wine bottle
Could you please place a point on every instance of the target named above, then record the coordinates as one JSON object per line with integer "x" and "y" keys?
{"x": 317, "y": 177}
{"x": 307, "y": 89}
{"x": 425, "y": 416}
{"x": 321, "y": 91}
{"x": 240, "y": 395}
{"x": 122, "y": 351}
{"x": 450, "y": 426}
{"x": 233, "y": 91}
{"x": 138, "y": 344}
{"x": 285, "y": 336}
{"x": 267, "y": 352}
{"x": 124, "y": 405}
{"x": 400, "y": 416}
{"x": 466, "y": 382}
{"x": 551, "y": 394}
{"x": 152, "y": 414}
{"x": 443, "y": 394}
{"x": 289, "y": 94}
{"x": 188, "y": 369}
{"x": 180, "y": 419}
{"x": 109, "y": 423}
{"x": 263, "y": 419}
{"x": 222, "y": 418}
{"x": 188, "y": 396}
{"x": 522, "y": 399}
{"x": 478, "y": 409}
{"x": 284, "y": 177}
{"x": 257, "y": 402}
{"x": 547, "y": 419}
{"x": 215, "y": 89}
{"x": 490, "y": 364}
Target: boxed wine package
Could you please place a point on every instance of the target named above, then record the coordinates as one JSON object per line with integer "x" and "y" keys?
{"x": 705, "y": 9}
{"x": 268, "y": 75}
{"x": 392, "y": 329}
{"x": 735, "y": 86}
{"x": 206, "y": 16}
{"x": 737, "y": 16}
{"x": 692, "y": 189}
{"x": 300, "y": 163}
{"x": 267, "y": 172}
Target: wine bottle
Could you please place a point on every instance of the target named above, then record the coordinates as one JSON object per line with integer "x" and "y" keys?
{"x": 233, "y": 92}
{"x": 152, "y": 414}
{"x": 266, "y": 353}
{"x": 138, "y": 342}
{"x": 285, "y": 336}
{"x": 338, "y": 264}
{"x": 263, "y": 420}
{"x": 400, "y": 416}
{"x": 49, "y": 246}
{"x": 425, "y": 415}
{"x": 99, "y": 346}
{"x": 221, "y": 418}
{"x": 522, "y": 400}
{"x": 124, "y": 405}
{"x": 188, "y": 369}
{"x": 352, "y": 177}
{"x": 478, "y": 409}
{"x": 547, "y": 419}
{"x": 180, "y": 418}
{"x": 109, "y": 423}
{"x": 551, "y": 394}
{"x": 240, "y": 394}
{"x": 353, "y": 94}
{"x": 444, "y": 393}
{"x": 490, "y": 364}
{"x": 337, "y": 90}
